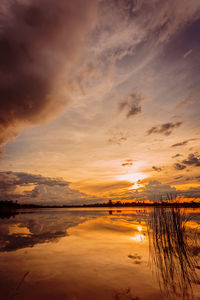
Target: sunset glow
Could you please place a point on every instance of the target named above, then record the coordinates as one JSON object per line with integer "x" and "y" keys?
{"x": 132, "y": 177}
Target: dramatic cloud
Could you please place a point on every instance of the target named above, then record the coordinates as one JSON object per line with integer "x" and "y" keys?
{"x": 178, "y": 166}
{"x": 193, "y": 192}
{"x": 131, "y": 105}
{"x": 155, "y": 188}
{"x": 30, "y": 188}
{"x": 192, "y": 160}
{"x": 10, "y": 181}
{"x": 157, "y": 169}
{"x": 44, "y": 190}
{"x": 165, "y": 128}
{"x": 39, "y": 40}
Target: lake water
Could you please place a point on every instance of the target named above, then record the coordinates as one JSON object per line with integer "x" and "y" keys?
{"x": 59, "y": 254}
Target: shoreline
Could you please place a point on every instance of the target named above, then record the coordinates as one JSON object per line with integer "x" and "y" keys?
{"x": 17, "y": 207}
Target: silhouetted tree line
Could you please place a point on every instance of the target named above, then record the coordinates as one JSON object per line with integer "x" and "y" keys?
{"x": 164, "y": 203}
{"x": 9, "y": 203}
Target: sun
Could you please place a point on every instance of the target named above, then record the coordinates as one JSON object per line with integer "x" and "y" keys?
{"x": 133, "y": 178}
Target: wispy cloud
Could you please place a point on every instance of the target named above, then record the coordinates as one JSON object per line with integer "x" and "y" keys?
{"x": 131, "y": 105}
{"x": 127, "y": 163}
{"x": 117, "y": 136}
{"x": 176, "y": 155}
{"x": 187, "y": 53}
{"x": 192, "y": 160}
{"x": 180, "y": 144}
{"x": 179, "y": 166}
{"x": 157, "y": 169}
{"x": 165, "y": 128}
{"x": 183, "y": 143}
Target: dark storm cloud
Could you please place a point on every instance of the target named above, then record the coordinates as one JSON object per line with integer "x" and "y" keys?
{"x": 157, "y": 169}
{"x": 178, "y": 166}
{"x": 38, "y": 39}
{"x": 131, "y": 105}
{"x": 165, "y": 128}
{"x": 192, "y": 160}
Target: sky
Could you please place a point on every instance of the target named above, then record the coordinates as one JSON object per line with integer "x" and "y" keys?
{"x": 99, "y": 100}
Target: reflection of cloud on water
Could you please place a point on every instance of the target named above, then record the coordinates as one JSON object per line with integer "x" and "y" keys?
{"x": 15, "y": 241}
{"x": 125, "y": 295}
{"x": 171, "y": 235}
{"x": 103, "y": 252}
{"x": 113, "y": 226}
{"x": 137, "y": 259}
{"x": 41, "y": 226}
{"x": 27, "y": 230}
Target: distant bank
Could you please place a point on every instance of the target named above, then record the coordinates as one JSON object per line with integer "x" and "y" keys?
{"x": 10, "y": 205}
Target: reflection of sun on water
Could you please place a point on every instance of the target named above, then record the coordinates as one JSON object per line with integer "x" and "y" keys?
{"x": 139, "y": 237}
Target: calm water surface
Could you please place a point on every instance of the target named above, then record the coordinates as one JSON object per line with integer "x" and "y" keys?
{"x": 100, "y": 254}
